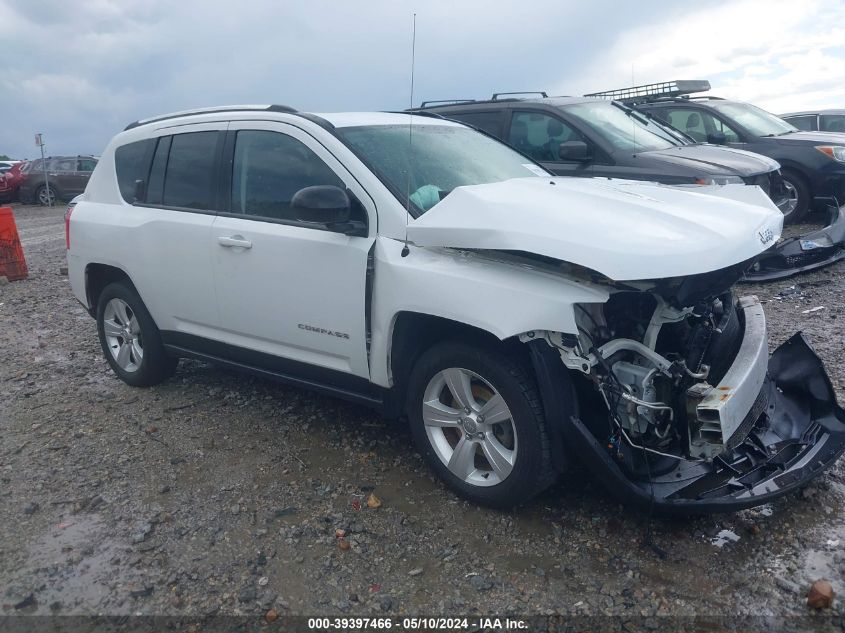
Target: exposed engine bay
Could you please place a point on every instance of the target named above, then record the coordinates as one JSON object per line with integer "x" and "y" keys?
{"x": 697, "y": 413}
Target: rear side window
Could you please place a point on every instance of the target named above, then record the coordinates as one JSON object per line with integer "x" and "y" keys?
{"x": 490, "y": 122}
{"x": 131, "y": 163}
{"x": 86, "y": 164}
{"x": 269, "y": 168}
{"x": 189, "y": 178}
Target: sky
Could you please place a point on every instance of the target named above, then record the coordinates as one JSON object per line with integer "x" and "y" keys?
{"x": 80, "y": 71}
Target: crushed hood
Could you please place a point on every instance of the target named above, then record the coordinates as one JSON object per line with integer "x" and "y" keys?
{"x": 625, "y": 230}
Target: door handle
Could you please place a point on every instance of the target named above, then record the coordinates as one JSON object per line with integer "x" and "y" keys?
{"x": 236, "y": 241}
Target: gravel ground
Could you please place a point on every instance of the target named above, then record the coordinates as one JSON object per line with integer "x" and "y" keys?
{"x": 217, "y": 493}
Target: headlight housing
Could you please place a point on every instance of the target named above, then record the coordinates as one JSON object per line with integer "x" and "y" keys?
{"x": 836, "y": 152}
{"x": 720, "y": 180}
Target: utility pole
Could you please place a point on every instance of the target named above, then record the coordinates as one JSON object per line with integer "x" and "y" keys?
{"x": 40, "y": 143}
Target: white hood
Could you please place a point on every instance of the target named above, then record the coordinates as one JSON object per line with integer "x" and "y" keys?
{"x": 623, "y": 229}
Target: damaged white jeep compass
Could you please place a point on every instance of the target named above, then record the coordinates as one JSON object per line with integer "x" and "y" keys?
{"x": 518, "y": 320}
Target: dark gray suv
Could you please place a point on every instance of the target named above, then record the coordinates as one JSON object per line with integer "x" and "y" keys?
{"x": 578, "y": 136}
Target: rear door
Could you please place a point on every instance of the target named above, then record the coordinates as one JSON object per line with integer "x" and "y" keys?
{"x": 167, "y": 232}
{"x": 285, "y": 288}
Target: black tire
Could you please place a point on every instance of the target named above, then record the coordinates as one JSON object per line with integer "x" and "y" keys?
{"x": 155, "y": 365}
{"x": 41, "y": 193}
{"x": 802, "y": 190}
{"x": 532, "y": 470}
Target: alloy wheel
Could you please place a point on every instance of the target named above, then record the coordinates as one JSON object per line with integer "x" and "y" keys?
{"x": 123, "y": 335}
{"x": 470, "y": 427}
{"x": 789, "y": 204}
{"x": 46, "y": 196}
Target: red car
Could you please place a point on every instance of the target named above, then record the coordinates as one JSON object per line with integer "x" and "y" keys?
{"x": 10, "y": 182}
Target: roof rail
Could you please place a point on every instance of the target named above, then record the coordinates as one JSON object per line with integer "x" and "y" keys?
{"x": 212, "y": 110}
{"x": 653, "y": 92}
{"x": 496, "y": 95}
{"x": 426, "y": 104}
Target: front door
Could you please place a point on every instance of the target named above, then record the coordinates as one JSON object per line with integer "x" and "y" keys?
{"x": 287, "y": 288}
{"x": 539, "y": 136}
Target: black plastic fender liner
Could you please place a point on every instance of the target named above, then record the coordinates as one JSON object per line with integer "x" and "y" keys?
{"x": 558, "y": 395}
{"x": 796, "y": 439}
{"x": 795, "y": 255}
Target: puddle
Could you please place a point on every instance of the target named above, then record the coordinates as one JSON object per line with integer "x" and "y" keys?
{"x": 73, "y": 563}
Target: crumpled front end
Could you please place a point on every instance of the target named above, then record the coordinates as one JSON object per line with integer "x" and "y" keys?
{"x": 692, "y": 414}
{"x": 797, "y": 433}
{"x": 795, "y": 255}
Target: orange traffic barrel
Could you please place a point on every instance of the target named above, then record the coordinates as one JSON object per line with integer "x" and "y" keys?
{"x": 12, "y": 261}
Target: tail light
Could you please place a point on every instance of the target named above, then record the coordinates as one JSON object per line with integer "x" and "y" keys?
{"x": 67, "y": 224}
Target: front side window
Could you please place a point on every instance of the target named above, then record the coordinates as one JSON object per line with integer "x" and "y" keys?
{"x": 832, "y": 123}
{"x": 269, "y": 168}
{"x": 189, "y": 178}
{"x": 539, "y": 135}
{"x": 64, "y": 164}
{"x": 757, "y": 121}
{"x": 688, "y": 121}
{"x": 422, "y": 170}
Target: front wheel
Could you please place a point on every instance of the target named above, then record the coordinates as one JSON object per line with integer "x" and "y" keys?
{"x": 477, "y": 419}
{"x": 797, "y": 203}
{"x": 45, "y": 196}
{"x": 130, "y": 339}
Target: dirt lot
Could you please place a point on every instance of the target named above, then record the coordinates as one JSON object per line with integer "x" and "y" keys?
{"x": 216, "y": 493}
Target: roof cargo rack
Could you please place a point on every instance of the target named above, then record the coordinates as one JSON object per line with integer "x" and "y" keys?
{"x": 496, "y": 95}
{"x": 213, "y": 110}
{"x": 653, "y": 92}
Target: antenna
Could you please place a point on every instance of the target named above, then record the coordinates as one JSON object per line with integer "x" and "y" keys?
{"x": 405, "y": 249}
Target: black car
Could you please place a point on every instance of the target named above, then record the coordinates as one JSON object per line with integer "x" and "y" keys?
{"x": 67, "y": 177}
{"x": 817, "y": 121}
{"x": 812, "y": 163}
{"x": 577, "y": 136}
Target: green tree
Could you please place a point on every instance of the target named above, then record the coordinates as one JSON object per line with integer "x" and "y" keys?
{"x": 4, "y": 157}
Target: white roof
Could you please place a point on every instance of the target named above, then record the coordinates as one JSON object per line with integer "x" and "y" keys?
{"x": 350, "y": 119}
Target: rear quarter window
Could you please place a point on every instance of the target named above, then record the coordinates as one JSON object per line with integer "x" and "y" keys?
{"x": 131, "y": 163}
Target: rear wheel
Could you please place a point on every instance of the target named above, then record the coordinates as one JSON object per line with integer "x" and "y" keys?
{"x": 130, "y": 339}
{"x": 477, "y": 419}
{"x": 798, "y": 196}
{"x": 45, "y": 196}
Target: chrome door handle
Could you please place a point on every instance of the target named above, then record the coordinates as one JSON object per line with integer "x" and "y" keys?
{"x": 236, "y": 241}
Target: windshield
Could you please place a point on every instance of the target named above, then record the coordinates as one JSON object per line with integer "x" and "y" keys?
{"x": 624, "y": 129}
{"x": 440, "y": 158}
{"x": 757, "y": 121}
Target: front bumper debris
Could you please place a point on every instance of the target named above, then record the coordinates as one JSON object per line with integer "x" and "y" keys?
{"x": 800, "y": 254}
{"x": 797, "y": 435}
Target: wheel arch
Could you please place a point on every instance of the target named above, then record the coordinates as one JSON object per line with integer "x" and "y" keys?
{"x": 97, "y": 277}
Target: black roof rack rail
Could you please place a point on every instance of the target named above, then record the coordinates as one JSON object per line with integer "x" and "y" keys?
{"x": 426, "y": 104}
{"x": 654, "y": 92}
{"x": 496, "y": 95}
{"x": 212, "y": 110}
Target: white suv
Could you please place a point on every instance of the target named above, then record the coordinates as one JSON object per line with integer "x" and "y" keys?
{"x": 411, "y": 263}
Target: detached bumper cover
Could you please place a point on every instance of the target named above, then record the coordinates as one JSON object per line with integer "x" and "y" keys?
{"x": 800, "y": 433}
{"x": 800, "y": 254}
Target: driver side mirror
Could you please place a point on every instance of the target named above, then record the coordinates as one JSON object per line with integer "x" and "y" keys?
{"x": 717, "y": 138}
{"x": 330, "y": 206}
{"x": 576, "y": 151}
